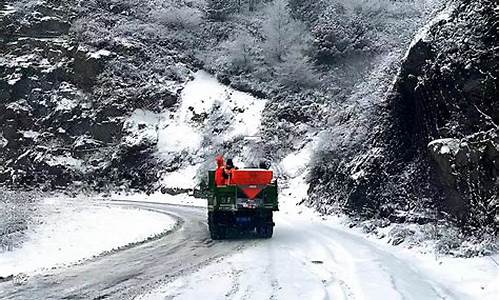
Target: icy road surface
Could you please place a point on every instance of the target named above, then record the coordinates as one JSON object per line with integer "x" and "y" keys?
{"x": 310, "y": 259}
{"x": 306, "y": 259}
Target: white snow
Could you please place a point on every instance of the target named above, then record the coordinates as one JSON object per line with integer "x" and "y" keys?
{"x": 69, "y": 233}
{"x": 200, "y": 97}
{"x": 158, "y": 197}
{"x": 296, "y": 163}
{"x": 141, "y": 126}
{"x": 315, "y": 257}
{"x": 445, "y": 146}
{"x": 178, "y": 137}
{"x": 14, "y": 78}
{"x": 100, "y": 53}
{"x": 8, "y": 9}
{"x": 182, "y": 179}
{"x": 3, "y": 140}
{"x": 65, "y": 104}
{"x": 68, "y": 161}
{"x": 30, "y": 134}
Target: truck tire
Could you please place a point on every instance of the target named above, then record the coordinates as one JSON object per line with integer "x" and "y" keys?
{"x": 265, "y": 231}
{"x": 217, "y": 232}
{"x": 212, "y": 227}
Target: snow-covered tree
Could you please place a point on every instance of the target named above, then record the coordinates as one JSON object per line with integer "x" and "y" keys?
{"x": 280, "y": 30}
{"x": 337, "y": 31}
{"x": 241, "y": 52}
{"x": 179, "y": 17}
{"x": 296, "y": 71}
{"x": 219, "y": 10}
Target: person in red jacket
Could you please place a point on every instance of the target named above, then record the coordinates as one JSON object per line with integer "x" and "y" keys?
{"x": 228, "y": 171}
{"x": 219, "y": 172}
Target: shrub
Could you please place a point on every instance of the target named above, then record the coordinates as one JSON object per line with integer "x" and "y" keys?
{"x": 179, "y": 17}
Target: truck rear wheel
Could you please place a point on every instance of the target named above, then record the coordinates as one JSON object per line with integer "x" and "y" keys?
{"x": 217, "y": 232}
{"x": 265, "y": 230}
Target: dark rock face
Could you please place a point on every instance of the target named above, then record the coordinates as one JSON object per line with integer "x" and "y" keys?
{"x": 434, "y": 141}
{"x": 448, "y": 89}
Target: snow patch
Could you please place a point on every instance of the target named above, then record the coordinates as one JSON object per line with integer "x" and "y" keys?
{"x": 178, "y": 137}
{"x": 296, "y": 162}
{"x": 100, "y": 53}
{"x": 68, "y": 233}
{"x": 181, "y": 179}
{"x": 65, "y": 104}
{"x": 30, "y": 134}
{"x": 445, "y": 146}
{"x": 13, "y": 78}
{"x": 8, "y": 9}
{"x": 3, "y": 141}
{"x": 183, "y": 131}
{"x": 67, "y": 161}
{"x": 158, "y": 197}
{"x": 141, "y": 127}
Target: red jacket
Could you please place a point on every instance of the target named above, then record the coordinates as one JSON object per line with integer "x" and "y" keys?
{"x": 219, "y": 177}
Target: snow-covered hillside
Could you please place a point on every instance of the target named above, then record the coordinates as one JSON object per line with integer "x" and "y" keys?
{"x": 210, "y": 119}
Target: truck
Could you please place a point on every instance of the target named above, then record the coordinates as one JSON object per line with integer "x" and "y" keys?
{"x": 244, "y": 205}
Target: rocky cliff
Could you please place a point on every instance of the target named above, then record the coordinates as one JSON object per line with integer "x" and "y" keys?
{"x": 432, "y": 147}
{"x": 67, "y": 85}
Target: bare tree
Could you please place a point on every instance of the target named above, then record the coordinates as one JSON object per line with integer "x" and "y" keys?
{"x": 281, "y": 31}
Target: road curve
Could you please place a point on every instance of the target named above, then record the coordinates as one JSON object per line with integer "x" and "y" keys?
{"x": 132, "y": 271}
{"x": 305, "y": 259}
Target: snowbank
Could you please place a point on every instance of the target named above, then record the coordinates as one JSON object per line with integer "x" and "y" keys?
{"x": 68, "y": 233}
{"x": 158, "y": 197}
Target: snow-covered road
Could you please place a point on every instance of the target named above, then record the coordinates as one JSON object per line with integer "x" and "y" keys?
{"x": 308, "y": 258}
{"x": 131, "y": 271}
{"x": 312, "y": 259}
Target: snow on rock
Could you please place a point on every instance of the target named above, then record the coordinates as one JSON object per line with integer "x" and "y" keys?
{"x": 68, "y": 233}
{"x": 423, "y": 33}
{"x": 13, "y": 78}
{"x": 141, "y": 127}
{"x": 445, "y": 146}
{"x": 100, "y": 53}
{"x": 30, "y": 134}
{"x": 3, "y": 141}
{"x": 66, "y": 104}
{"x": 7, "y": 10}
{"x": 67, "y": 161}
